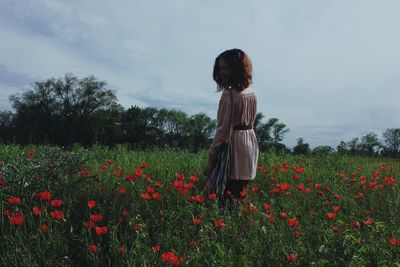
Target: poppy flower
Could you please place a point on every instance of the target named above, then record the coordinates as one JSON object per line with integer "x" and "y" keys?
{"x": 56, "y": 215}
{"x": 56, "y": 203}
{"x": 212, "y": 196}
{"x": 17, "y": 219}
{"x": 219, "y": 223}
{"x": 44, "y": 196}
{"x": 194, "y": 179}
{"x": 156, "y": 196}
{"x": 291, "y": 258}
{"x": 170, "y": 257}
{"x": 145, "y": 196}
{"x": 14, "y": 200}
{"x": 155, "y": 248}
{"x": 43, "y": 227}
{"x": 100, "y": 231}
{"x": 368, "y": 222}
{"x": 89, "y": 224}
{"x": 143, "y": 165}
{"x": 267, "y": 207}
{"x": 91, "y": 204}
{"x": 285, "y": 186}
{"x": 196, "y": 221}
{"x": 292, "y": 222}
{"x": 122, "y": 191}
{"x": 122, "y": 249}
{"x": 336, "y": 208}
{"x": 138, "y": 172}
{"x": 96, "y": 217}
{"x": 394, "y": 241}
{"x": 84, "y": 172}
{"x": 36, "y": 211}
{"x": 330, "y": 215}
{"x": 92, "y": 249}
{"x": 283, "y": 215}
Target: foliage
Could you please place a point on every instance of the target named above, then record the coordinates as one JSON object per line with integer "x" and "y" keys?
{"x": 118, "y": 207}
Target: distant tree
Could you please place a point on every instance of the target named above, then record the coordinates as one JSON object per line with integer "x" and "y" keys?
{"x": 323, "y": 150}
{"x": 391, "y": 140}
{"x": 354, "y": 146}
{"x": 369, "y": 144}
{"x": 278, "y": 131}
{"x": 270, "y": 134}
{"x": 301, "y": 148}
{"x": 199, "y": 131}
{"x": 342, "y": 148}
{"x": 6, "y": 126}
{"x": 61, "y": 111}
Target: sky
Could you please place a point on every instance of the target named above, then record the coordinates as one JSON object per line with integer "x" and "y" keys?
{"x": 329, "y": 70}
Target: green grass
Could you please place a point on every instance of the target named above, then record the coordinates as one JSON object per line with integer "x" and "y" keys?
{"x": 363, "y": 232}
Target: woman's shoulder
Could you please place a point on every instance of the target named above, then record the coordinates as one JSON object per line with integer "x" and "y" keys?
{"x": 246, "y": 92}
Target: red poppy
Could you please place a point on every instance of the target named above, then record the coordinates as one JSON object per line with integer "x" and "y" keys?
{"x": 291, "y": 258}
{"x": 267, "y": 207}
{"x": 84, "y": 172}
{"x": 170, "y": 257}
{"x": 96, "y": 217}
{"x": 194, "y": 179}
{"x": 56, "y": 215}
{"x": 92, "y": 249}
{"x": 17, "y": 219}
{"x": 89, "y": 224}
{"x": 138, "y": 172}
{"x": 150, "y": 190}
{"x": 100, "y": 231}
{"x": 36, "y": 211}
{"x": 368, "y": 222}
{"x": 56, "y": 203}
{"x": 355, "y": 224}
{"x": 14, "y": 200}
{"x": 122, "y": 249}
{"x": 330, "y": 215}
{"x": 145, "y": 196}
{"x": 394, "y": 241}
{"x": 155, "y": 248}
{"x": 118, "y": 173}
{"x": 91, "y": 204}
{"x": 43, "y": 227}
{"x": 124, "y": 212}
{"x": 197, "y": 221}
{"x": 137, "y": 227}
{"x": 219, "y": 223}
{"x": 212, "y": 196}
{"x": 31, "y": 154}
{"x": 122, "y": 191}
{"x": 301, "y": 187}
{"x": 143, "y": 165}
{"x": 292, "y": 222}
{"x": 336, "y": 208}
{"x": 285, "y": 186}
{"x": 44, "y": 196}
{"x": 156, "y": 196}
{"x": 283, "y": 215}
{"x": 297, "y": 233}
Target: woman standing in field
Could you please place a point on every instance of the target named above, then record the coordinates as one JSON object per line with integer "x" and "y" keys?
{"x": 233, "y": 72}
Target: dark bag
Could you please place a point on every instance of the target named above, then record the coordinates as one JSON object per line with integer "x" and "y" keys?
{"x": 221, "y": 171}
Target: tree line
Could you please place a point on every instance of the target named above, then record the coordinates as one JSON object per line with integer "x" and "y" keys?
{"x": 68, "y": 110}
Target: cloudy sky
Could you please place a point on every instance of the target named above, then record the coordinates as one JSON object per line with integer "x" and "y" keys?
{"x": 329, "y": 70}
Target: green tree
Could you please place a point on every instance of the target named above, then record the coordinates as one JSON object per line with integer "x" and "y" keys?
{"x": 369, "y": 144}
{"x": 301, "y": 148}
{"x": 391, "y": 140}
{"x": 61, "y": 111}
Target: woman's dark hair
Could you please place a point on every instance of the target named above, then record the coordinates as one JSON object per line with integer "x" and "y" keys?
{"x": 241, "y": 69}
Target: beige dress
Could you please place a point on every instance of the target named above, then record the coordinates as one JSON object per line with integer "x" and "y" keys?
{"x": 244, "y": 142}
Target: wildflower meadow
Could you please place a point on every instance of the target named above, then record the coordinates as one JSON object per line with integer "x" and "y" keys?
{"x": 117, "y": 207}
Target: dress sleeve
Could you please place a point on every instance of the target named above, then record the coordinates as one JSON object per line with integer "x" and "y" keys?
{"x": 223, "y": 120}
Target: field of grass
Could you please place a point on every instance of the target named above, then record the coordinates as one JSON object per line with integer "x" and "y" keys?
{"x": 116, "y": 207}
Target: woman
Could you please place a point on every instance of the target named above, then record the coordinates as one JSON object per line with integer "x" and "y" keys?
{"x": 233, "y": 72}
